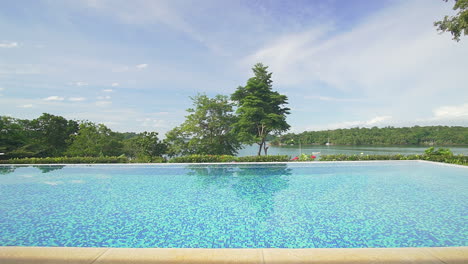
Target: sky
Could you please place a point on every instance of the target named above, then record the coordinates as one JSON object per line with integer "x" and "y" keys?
{"x": 133, "y": 65}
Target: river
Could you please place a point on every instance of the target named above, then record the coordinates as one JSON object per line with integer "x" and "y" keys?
{"x": 326, "y": 150}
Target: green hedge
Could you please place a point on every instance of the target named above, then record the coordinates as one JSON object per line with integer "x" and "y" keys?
{"x": 228, "y": 158}
{"x": 66, "y": 160}
{"x": 268, "y": 158}
{"x": 453, "y": 159}
{"x": 203, "y": 158}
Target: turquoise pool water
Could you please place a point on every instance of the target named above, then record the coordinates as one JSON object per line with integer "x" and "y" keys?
{"x": 315, "y": 205}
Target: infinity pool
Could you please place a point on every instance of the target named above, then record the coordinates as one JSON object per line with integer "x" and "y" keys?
{"x": 294, "y": 205}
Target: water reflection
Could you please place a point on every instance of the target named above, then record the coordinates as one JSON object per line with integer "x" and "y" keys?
{"x": 255, "y": 184}
{"x": 7, "y": 169}
{"x": 47, "y": 169}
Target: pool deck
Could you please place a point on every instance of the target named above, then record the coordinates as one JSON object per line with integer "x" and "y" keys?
{"x": 56, "y": 255}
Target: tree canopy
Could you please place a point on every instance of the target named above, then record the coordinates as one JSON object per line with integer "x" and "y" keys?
{"x": 206, "y": 130}
{"x": 260, "y": 109}
{"x": 458, "y": 24}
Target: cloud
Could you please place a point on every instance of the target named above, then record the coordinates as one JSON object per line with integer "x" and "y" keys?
{"x": 1, "y": 89}
{"x": 103, "y": 103}
{"x": 376, "y": 121}
{"x": 9, "y": 45}
{"x": 26, "y": 106}
{"x": 115, "y": 84}
{"x": 108, "y": 90}
{"x": 107, "y": 97}
{"x": 142, "y": 66}
{"x": 381, "y": 58}
{"x": 79, "y": 84}
{"x": 54, "y": 98}
{"x": 76, "y": 99}
{"x": 332, "y": 99}
{"x": 451, "y": 112}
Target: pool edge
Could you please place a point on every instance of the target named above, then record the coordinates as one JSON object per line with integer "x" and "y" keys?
{"x": 47, "y": 255}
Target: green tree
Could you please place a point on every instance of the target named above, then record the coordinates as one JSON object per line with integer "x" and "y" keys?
{"x": 13, "y": 136}
{"x": 260, "y": 109}
{"x": 145, "y": 147}
{"x": 95, "y": 140}
{"x": 52, "y": 133}
{"x": 458, "y": 24}
{"x": 206, "y": 130}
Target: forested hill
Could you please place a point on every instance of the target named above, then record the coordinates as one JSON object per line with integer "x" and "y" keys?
{"x": 428, "y": 135}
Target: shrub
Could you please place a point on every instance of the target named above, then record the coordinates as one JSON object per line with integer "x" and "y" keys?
{"x": 268, "y": 158}
{"x": 227, "y": 158}
{"x": 196, "y": 158}
{"x": 65, "y": 160}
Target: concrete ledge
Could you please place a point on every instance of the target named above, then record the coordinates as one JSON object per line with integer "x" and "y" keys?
{"x": 49, "y": 255}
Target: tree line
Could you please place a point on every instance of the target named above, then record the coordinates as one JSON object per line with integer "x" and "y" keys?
{"x": 417, "y": 135}
{"x": 216, "y": 126}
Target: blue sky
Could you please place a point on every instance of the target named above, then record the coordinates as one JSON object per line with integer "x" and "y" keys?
{"x": 133, "y": 65}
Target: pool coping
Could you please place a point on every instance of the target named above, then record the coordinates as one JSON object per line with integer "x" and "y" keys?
{"x": 48, "y": 255}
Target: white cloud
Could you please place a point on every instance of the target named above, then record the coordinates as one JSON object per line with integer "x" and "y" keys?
{"x": 26, "y": 106}
{"x": 382, "y": 58}
{"x": 451, "y": 112}
{"x": 103, "y": 103}
{"x": 142, "y": 66}
{"x": 332, "y": 99}
{"x": 115, "y": 84}
{"x": 108, "y": 90}
{"x": 1, "y": 89}
{"x": 107, "y": 97}
{"x": 376, "y": 121}
{"x": 76, "y": 99}
{"x": 54, "y": 98}
{"x": 79, "y": 84}
{"x": 9, "y": 45}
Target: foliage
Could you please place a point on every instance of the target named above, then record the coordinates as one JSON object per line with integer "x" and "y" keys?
{"x": 304, "y": 157}
{"x": 430, "y": 135}
{"x": 95, "y": 140}
{"x": 52, "y": 133}
{"x": 45, "y": 136}
{"x": 458, "y": 24}
{"x": 206, "y": 130}
{"x": 66, "y": 160}
{"x": 260, "y": 109}
{"x": 197, "y": 158}
{"x": 227, "y": 158}
{"x": 440, "y": 155}
{"x": 265, "y": 158}
{"x": 145, "y": 147}
{"x": 440, "y": 151}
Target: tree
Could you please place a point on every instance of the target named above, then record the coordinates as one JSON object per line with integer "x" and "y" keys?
{"x": 52, "y": 133}
{"x": 206, "y": 130}
{"x": 457, "y": 25}
{"x": 145, "y": 147}
{"x": 95, "y": 140}
{"x": 260, "y": 109}
{"x": 12, "y": 137}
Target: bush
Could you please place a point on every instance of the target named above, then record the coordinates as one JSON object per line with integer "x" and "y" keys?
{"x": 304, "y": 157}
{"x": 268, "y": 158}
{"x": 65, "y": 160}
{"x": 227, "y": 158}
{"x": 196, "y": 158}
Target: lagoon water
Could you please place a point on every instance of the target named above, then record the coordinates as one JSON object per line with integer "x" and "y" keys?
{"x": 328, "y": 150}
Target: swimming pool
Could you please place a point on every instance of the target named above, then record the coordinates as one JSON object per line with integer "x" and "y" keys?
{"x": 293, "y": 205}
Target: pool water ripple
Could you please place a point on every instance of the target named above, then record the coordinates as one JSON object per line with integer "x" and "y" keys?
{"x": 315, "y": 205}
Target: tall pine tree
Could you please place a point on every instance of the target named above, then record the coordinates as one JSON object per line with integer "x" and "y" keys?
{"x": 261, "y": 110}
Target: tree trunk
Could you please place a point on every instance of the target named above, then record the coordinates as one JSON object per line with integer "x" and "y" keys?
{"x": 265, "y": 148}
{"x": 260, "y": 148}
